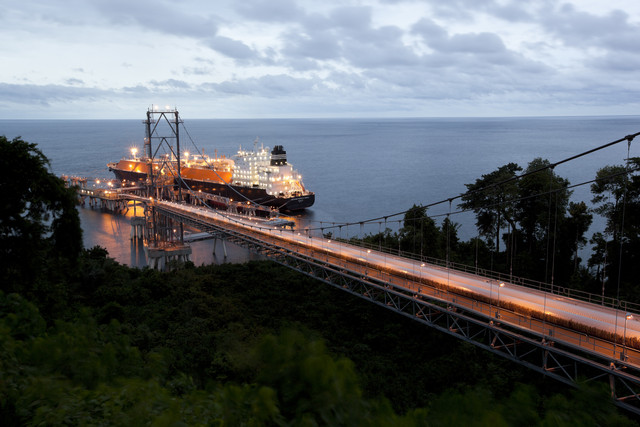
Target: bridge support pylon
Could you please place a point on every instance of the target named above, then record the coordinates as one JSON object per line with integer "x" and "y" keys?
{"x": 137, "y": 227}
{"x": 162, "y": 258}
{"x": 224, "y": 245}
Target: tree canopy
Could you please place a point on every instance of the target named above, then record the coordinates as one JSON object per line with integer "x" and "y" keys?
{"x": 616, "y": 251}
{"x": 544, "y": 231}
{"x": 40, "y": 230}
{"x": 490, "y": 198}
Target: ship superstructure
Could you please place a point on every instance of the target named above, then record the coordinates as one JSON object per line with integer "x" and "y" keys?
{"x": 267, "y": 170}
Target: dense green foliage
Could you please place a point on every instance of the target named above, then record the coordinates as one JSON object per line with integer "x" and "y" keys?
{"x": 213, "y": 344}
{"x": 616, "y": 196}
{"x": 544, "y": 231}
{"x": 39, "y": 225}
{"x": 254, "y": 344}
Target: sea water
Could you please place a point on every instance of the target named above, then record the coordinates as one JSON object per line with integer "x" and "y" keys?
{"x": 359, "y": 168}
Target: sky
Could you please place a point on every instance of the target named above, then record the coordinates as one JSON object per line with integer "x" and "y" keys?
{"x": 114, "y": 59}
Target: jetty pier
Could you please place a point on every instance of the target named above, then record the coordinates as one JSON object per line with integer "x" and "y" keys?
{"x": 165, "y": 242}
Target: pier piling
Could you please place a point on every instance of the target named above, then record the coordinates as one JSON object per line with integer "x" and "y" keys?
{"x": 137, "y": 227}
{"x": 224, "y": 246}
{"x": 162, "y": 258}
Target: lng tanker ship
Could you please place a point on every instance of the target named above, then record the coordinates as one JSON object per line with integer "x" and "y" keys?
{"x": 259, "y": 175}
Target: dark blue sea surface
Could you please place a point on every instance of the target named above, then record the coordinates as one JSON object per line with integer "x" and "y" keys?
{"x": 358, "y": 168}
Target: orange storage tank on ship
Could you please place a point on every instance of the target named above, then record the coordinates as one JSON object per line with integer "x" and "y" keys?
{"x": 205, "y": 169}
{"x": 206, "y": 175}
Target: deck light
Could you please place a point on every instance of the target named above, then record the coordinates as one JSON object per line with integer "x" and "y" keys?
{"x": 628, "y": 316}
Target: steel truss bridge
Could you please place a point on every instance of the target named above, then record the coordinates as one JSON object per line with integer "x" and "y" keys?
{"x": 566, "y": 354}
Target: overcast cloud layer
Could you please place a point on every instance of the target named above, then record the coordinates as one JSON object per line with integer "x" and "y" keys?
{"x": 329, "y": 58}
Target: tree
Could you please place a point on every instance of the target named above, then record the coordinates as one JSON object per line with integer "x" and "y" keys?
{"x": 608, "y": 191}
{"x": 313, "y": 388}
{"x": 576, "y": 226}
{"x": 420, "y": 234}
{"x": 449, "y": 240}
{"x": 616, "y": 254}
{"x": 40, "y": 230}
{"x": 489, "y": 198}
{"x": 536, "y": 212}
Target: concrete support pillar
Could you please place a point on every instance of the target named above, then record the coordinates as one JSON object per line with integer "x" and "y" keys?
{"x": 155, "y": 257}
{"x": 137, "y": 227}
{"x": 224, "y": 245}
{"x": 160, "y": 258}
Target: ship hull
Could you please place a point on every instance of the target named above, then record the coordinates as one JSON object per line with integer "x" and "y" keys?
{"x": 129, "y": 176}
{"x": 254, "y": 194}
{"x": 233, "y": 192}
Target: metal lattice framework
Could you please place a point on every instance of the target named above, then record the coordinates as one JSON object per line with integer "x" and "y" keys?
{"x": 565, "y": 362}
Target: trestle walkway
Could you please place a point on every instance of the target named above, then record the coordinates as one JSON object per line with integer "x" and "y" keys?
{"x": 567, "y": 339}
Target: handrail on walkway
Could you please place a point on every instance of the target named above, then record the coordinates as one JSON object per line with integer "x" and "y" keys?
{"x": 606, "y": 301}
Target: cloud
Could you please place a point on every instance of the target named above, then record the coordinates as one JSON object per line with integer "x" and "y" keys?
{"x": 429, "y": 30}
{"x": 323, "y": 46}
{"x": 382, "y": 48}
{"x": 139, "y": 90}
{"x": 158, "y": 17}
{"x": 347, "y": 37}
{"x": 266, "y": 86}
{"x": 45, "y": 94}
{"x": 438, "y": 39}
{"x": 373, "y": 54}
{"x": 346, "y": 82}
{"x": 477, "y": 44}
{"x": 232, "y": 48}
{"x": 352, "y": 19}
{"x": 308, "y": 50}
{"x": 469, "y": 10}
{"x": 269, "y": 10}
{"x": 583, "y": 29}
{"x": 514, "y": 11}
{"x": 170, "y": 84}
{"x": 460, "y": 9}
{"x": 74, "y": 82}
{"x": 473, "y": 53}
{"x": 612, "y": 62}
{"x": 197, "y": 71}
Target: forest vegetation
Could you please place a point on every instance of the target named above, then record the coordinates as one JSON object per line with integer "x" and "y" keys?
{"x": 88, "y": 341}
